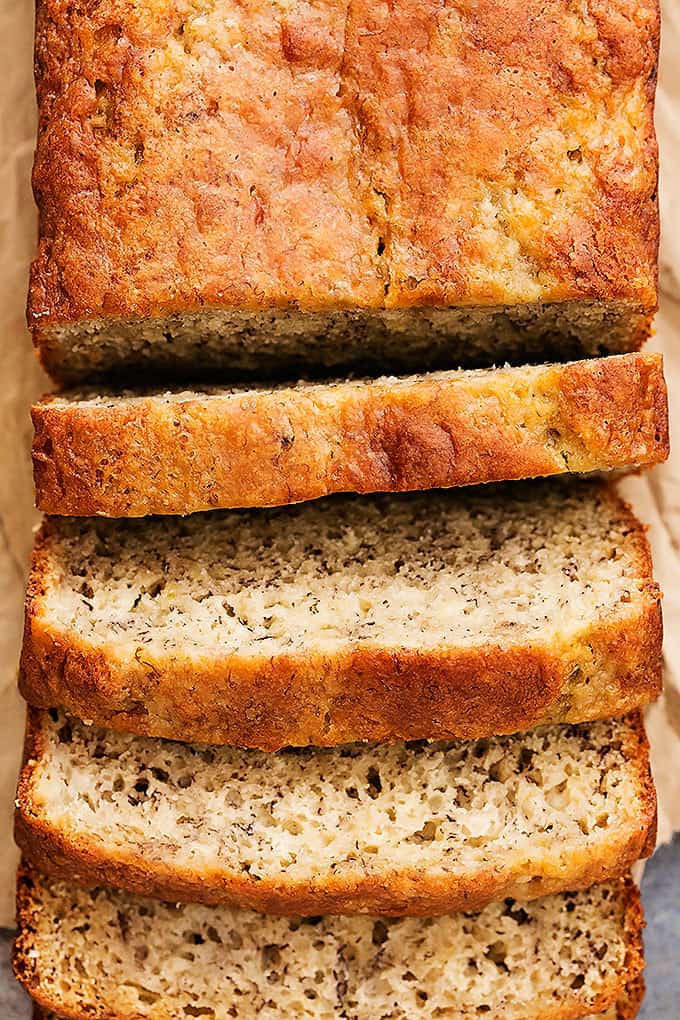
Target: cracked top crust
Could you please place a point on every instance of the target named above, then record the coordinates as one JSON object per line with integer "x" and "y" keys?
{"x": 336, "y": 154}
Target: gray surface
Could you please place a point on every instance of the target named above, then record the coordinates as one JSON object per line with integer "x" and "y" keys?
{"x": 13, "y": 1002}
{"x": 661, "y": 894}
{"x": 661, "y": 898}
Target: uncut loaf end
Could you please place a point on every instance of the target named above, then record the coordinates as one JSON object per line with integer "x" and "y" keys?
{"x": 462, "y": 613}
{"x": 248, "y": 213}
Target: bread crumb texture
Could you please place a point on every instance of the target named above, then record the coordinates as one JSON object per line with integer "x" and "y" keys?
{"x": 106, "y": 954}
{"x": 308, "y": 162}
{"x": 460, "y": 613}
{"x": 412, "y": 572}
{"x": 411, "y": 828}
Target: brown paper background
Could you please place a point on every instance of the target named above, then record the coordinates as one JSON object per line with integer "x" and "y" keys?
{"x": 19, "y": 381}
{"x": 656, "y": 496}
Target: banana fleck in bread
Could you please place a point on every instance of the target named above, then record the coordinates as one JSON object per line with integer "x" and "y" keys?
{"x": 459, "y": 613}
{"x": 417, "y": 829}
{"x": 263, "y": 187}
{"x": 133, "y": 454}
{"x": 103, "y": 954}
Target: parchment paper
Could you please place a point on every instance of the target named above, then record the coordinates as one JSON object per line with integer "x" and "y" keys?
{"x": 20, "y": 381}
{"x": 656, "y": 496}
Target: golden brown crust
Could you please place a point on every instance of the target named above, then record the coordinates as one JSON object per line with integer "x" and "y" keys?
{"x": 355, "y": 694}
{"x": 635, "y": 957}
{"x": 563, "y": 69}
{"x": 623, "y": 992}
{"x": 381, "y": 695}
{"x": 415, "y": 891}
{"x": 629, "y": 1006}
{"x": 626, "y": 1009}
{"x": 129, "y": 458}
{"x": 406, "y": 894}
{"x": 306, "y": 168}
{"x": 256, "y": 174}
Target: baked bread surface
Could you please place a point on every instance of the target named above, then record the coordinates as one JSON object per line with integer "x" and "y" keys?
{"x": 134, "y": 453}
{"x": 626, "y": 1009}
{"x": 241, "y": 185}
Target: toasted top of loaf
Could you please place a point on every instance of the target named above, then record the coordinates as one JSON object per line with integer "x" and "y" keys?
{"x": 401, "y": 829}
{"x": 107, "y": 954}
{"x": 458, "y": 613}
{"x": 131, "y": 454}
{"x": 253, "y": 156}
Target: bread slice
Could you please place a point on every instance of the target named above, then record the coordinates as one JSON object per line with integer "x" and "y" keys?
{"x": 249, "y": 186}
{"x": 131, "y": 454}
{"x": 461, "y": 613}
{"x": 626, "y": 1009}
{"x": 416, "y": 829}
{"x": 104, "y": 954}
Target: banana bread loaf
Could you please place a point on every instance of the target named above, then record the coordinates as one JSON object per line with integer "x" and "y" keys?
{"x": 272, "y": 187}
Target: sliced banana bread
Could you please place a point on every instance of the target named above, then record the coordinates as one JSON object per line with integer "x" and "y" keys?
{"x": 625, "y": 1009}
{"x": 102, "y": 954}
{"x": 132, "y": 454}
{"x": 379, "y": 829}
{"x": 460, "y": 613}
